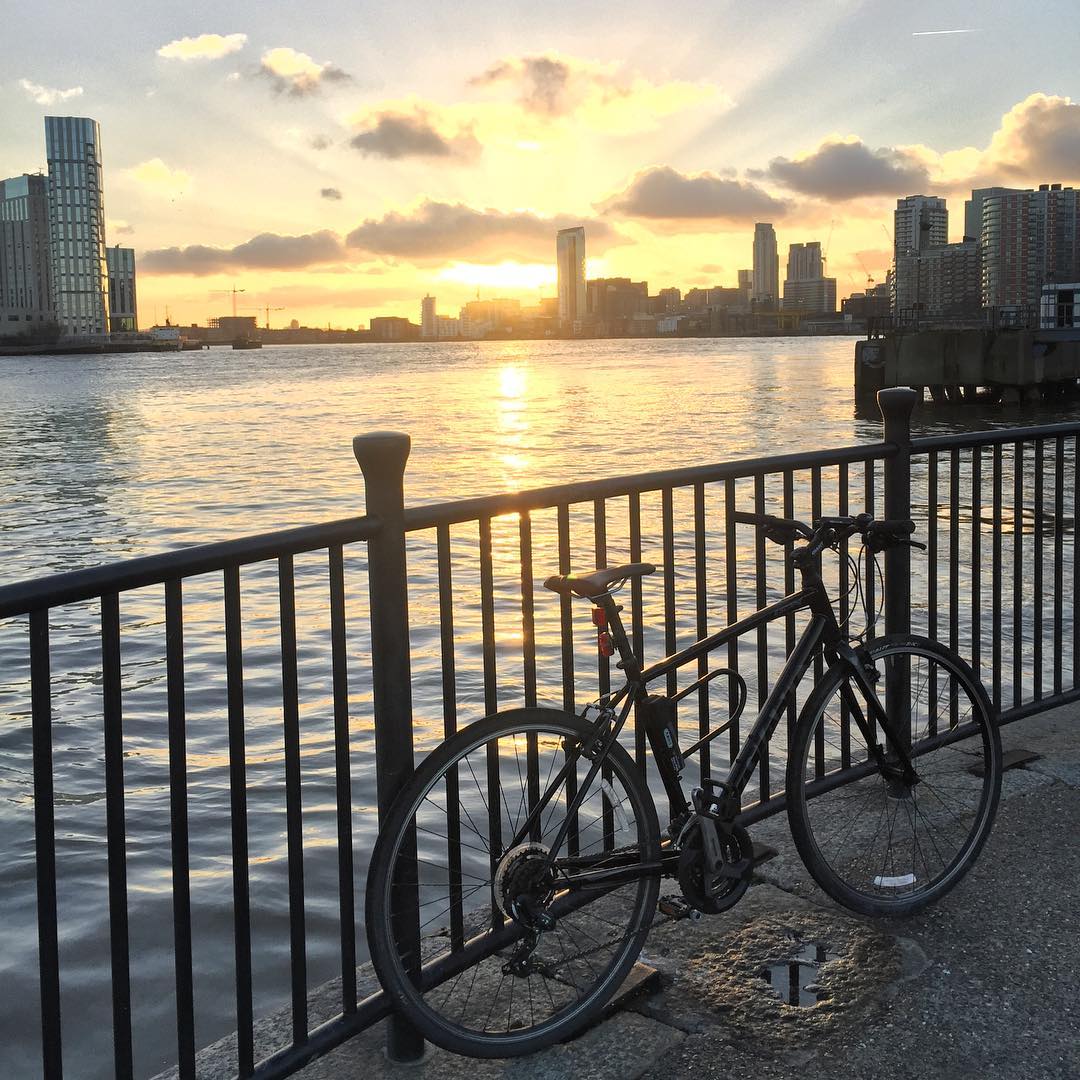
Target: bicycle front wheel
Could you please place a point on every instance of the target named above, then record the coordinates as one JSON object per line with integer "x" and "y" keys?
{"x": 509, "y": 959}
{"x": 874, "y": 842}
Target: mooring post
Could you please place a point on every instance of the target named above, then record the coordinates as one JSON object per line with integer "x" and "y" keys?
{"x": 382, "y": 456}
{"x": 896, "y": 405}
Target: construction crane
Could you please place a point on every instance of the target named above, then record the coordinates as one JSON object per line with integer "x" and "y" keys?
{"x": 225, "y": 292}
{"x": 267, "y": 308}
{"x": 869, "y": 276}
{"x": 825, "y": 252}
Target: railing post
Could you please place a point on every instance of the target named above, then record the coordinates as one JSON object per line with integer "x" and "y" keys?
{"x": 382, "y": 456}
{"x": 896, "y": 404}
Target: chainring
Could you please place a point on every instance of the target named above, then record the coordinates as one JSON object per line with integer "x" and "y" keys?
{"x": 719, "y": 893}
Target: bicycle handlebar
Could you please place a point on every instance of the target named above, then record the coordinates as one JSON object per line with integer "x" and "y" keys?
{"x": 878, "y": 535}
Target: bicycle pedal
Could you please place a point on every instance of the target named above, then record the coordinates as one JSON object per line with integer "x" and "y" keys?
{"x": 675, "y": 907}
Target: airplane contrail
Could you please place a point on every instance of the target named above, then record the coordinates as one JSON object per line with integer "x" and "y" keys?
{"x": 936, "y": 33}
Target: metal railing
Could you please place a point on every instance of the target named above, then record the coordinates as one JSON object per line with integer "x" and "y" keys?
{"x": 455, "y": 627}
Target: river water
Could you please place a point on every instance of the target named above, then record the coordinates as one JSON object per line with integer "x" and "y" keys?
{"x": 109, "y": 457}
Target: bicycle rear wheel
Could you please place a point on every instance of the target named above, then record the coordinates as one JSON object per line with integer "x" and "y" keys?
{"x": 873, "y": 842}
{"x": 449, "y": 861}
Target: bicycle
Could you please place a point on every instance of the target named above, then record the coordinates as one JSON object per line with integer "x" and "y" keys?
{"x": 504, "y": 910}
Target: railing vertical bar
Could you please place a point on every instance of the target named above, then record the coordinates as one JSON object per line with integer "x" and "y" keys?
{"x": 528, "y": 648}
{"x": 234, "y": 672}
{"x": 819, "y": 667}
{"x": 603, "y": 664}
{"x": 294, "y": 822}
{"x": 1059, "y": 575}
{"x": 449, "y": 702}
{"x": 731, "y": 584}
{"x": 1037, "y": 600}
{"x": 667, "y": 514}
{"x": 932, "y": 545}
{"x": 1076, "y": 561}
{"x": 45, "y": 844}
{"x": 1018, "y": 574}
{"x": 566, "y": 615}
{"x": 788, "y": 480}
{"x": 954, "y": 549}
{"x": 112, "y": 714}
{"x": 566, "y": 629}
{"x": 870, "y": 584}
{"x": 842, "y": 480}
{"x": 178, "y": 817}
{"x": 343, "y": 779}
{"x": 995, "y": 582}
{"x": 761, "y": 595}
{"x": 701, "y": 614}
{"x": 637, "y": 618}
{"x": 491, "y": 695}
{"x": 976, "y": 560}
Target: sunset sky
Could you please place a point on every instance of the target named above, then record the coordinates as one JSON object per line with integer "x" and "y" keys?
{"x": 338, "y": 160}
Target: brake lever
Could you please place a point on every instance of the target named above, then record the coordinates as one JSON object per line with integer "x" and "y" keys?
{"x": 915, "y": 544}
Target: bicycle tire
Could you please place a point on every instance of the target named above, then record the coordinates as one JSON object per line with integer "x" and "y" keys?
{"x": 853, "y": 857}
{"x": 444, "y": 1016}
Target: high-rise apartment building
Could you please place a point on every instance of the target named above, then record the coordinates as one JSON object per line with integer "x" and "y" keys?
{"x": 570, "y": 259}
{"x": 746, "y": 286}
{"x": 804, "y": 262}
{"x": 1029, "y": 239}
{"x": 77, "y": 224}
{"x": 120, "y": 262}
{"x": 815, "y": 296}
{"x": 973, "y": 209}
{"x": 25, "y": 271}
{"x": 920, "y": 222}
{"x": 940, "y": 281}
{"x": 766, "y": 276}
{"x": 429, "y": 327}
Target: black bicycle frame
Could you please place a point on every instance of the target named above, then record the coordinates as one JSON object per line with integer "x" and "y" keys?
{"x": 822, "y": 631}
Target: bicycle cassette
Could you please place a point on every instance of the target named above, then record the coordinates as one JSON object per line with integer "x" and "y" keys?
{"x": 714, "y": 890}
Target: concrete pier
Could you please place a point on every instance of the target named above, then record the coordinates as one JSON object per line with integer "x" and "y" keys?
{"x": 955, "y": 366}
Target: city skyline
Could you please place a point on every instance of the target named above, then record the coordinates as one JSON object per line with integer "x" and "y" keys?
{"x": 339, "y": 173}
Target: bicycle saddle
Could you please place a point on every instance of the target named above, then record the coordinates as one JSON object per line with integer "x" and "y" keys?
{"x": 596, "y": 581}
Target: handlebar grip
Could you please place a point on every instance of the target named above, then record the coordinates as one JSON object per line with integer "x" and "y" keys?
{"x": 770, "y": 521}
{"x": 897, "y": 526}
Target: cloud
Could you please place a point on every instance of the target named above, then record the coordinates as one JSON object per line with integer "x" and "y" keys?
{"x": 296, "y": 74}
{"x": 119, "y": 228}
{"x": 49, "y": 95}
{"x": 551, "y": 87}
{"x": 320, "y": 142}
{"x": 662, "y": 193}
{"x": 1038, "y": 137}
{"x": 203, "y": 47}
{"x": 846, "y": 168}
{"x": 436, "y": 230}
{"x": 156, "y": 176}
{"x": 267, "y": 251}
{"x": 330, "y": 193}
{"x": 395, "y": 135}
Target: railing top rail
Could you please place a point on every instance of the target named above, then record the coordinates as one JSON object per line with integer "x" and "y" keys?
{"x": 992, "y": 437}
{"x": 489, "y": 506}
{"x": 45, "y": 592}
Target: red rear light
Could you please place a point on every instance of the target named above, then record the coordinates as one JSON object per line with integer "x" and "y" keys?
{"x": 605, "y": 644}
{"x": 599, "y": 617}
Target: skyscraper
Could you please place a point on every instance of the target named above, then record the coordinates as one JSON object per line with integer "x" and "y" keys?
{"x": 804, "y": 261}
{"x": 77, "y": 224}
{"x": 919, "y": 222}
{"x": 428, "y": 324}
{"x": 25, "y": 271}
{"x": 570, "y": 258}
{"x": 766, "y": 283}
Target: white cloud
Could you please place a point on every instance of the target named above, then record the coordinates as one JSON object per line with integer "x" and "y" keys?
{"x": 296, "y": 73}
{"x": 157, "y": 177}
{"x": 203, "y": 47}
{"x": 49, "y": 95}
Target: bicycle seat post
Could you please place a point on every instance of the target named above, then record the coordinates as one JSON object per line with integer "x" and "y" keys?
{"x": 628, "y": 662}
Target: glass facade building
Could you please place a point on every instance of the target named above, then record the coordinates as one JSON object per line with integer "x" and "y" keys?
{"x": 77, "y": 224}
{"x": 120, "y": 263}
{"x": 570, "y": 258}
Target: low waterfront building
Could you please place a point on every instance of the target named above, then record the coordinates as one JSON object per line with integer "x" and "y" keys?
{"x": 812, "y": 296}
{"x": 26, "y": 304}
{"x": 875, "y": 303}
{"x": 120, "y": 262}
{"x": 393, "y": 328}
